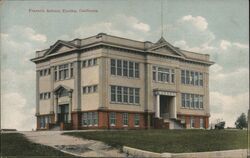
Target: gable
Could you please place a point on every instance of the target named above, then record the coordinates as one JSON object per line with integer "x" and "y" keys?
{"x": 166, "y": 51}
{"x": 60, "y": 47}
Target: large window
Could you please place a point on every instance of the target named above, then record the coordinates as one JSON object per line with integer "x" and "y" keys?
{"x": 136, "y": 120}
{"x": 193, "y": 101}
{"x": 112, "y": 118}
{"x": 64, "y": 71}
{"x": 192, "y": 122}
{"x": 125, "y": 95}
{"x": 163, "y": 74}
{"x": 89, "y": 119}
{"x": 201, "y": 123}
{"x": 124, "y": 68}
{"x": 125, "y": 119}
{"x": 191, "y": 78}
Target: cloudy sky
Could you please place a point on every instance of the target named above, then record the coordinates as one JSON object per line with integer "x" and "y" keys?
{"x": 219, "y": 28}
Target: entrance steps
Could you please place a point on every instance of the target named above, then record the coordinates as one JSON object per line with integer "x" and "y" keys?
{"x": 174, "y": 124}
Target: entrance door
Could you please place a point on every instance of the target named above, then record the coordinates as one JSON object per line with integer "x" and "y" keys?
{"x": 63, "y": 113}
{"x": 165, "y": 105}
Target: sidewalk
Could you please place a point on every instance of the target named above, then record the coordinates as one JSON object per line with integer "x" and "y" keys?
{"x": 72, "y": 145}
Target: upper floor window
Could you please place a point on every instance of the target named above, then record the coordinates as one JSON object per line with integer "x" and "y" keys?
{"x": 89, "y": 89}
{"x": 44, "y": 72}
{"x": 193, "y": 101}
{"x": 89, "y": 62}
{"x": 161, "y": 74}
{"x": 45, "y": 95}
{"x": 63, "y": 93}
{"x": 191, "y": 78}
{"x": 124, "y": 68}
{"x": 65, "y": 71}
{"x": 125, "y": 95}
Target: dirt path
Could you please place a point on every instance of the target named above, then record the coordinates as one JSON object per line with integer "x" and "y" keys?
{"x": 77, "y": 146}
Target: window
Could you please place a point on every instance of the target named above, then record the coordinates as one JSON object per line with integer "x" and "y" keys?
{"x": 119, "y": 94}
{"x": 183, "y": 99}
{"x": 191, "y": 77}
{"x": 154, "y": 73}
{"x": 187, "y": 77}
{"x": 63, "y": 93}
{"x": 131, "y": 95}
{"x": 41, "y": 96}
{"x": 45, "y": 72}
{"x": 89, "y": 89}
{"x": 137, "y": 97}
{"x": 187, "y": 100}
{"x": 95, "y": 118}
{"x": 112, "y": 118}
{"x": 55, "y": 69}
{"x": 201, "y": 101}
{"x": 125, "y": 95}
{"x": 131, "y": 69}
{"x": 84, "y": 90}
{"x": 161, "y": 74}
{"x": 49, "y": 71}
{"x": 89, "y": 117}
{"x": 119, "y": 67}
{"x": 136, "y": 119}
{"x": 113, "y": 67}
{"x": 201, "y": 79}
{"x": 95, "y": 88}
{"x": 201, "y": 123}
{"x": 196, "y": 77}
{"x": 197, "y": 101}
{"x": 172, "y": 75}
{"x": 95, "y": 61}
{"x": 137, "y": 70}
{"x": 90, "y": 62}
{"x": 113, "y": 93}
{"x": 183, "y": 78}
{"x": 84, "y": 63}
{"x": 71, "y": 69}
{"x": 84, "y": 119}
{"x": 63, "y": 71}
{"x": 192, "y": 122}
{"x": 41, "y": 72}
{"x": 125, "y": 68}
{"x": 193, "y": 101}
{"x": 125, "y": 119}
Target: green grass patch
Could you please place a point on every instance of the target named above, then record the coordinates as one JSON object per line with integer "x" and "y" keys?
{"x": 175, "y": 141}
{"x": 15, "y": 144}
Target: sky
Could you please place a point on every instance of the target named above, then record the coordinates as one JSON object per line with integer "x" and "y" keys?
{"x": 219, "y": 28}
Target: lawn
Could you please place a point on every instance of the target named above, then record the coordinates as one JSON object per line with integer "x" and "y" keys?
{"x": 15, "y": 144}
{"x": 175, "y": 141}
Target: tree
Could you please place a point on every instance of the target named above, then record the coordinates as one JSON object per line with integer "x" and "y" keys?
{"x": 241, "y": 121}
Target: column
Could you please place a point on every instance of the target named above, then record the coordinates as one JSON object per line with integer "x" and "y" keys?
{"x": 52, "y": 73}
{"x": 173, "y": 109}
{"x": 56, "y": 107}
{"x": 70, "y": 106}
{"x": 157, "y": 106}
{"x": 37, "y": 92}
{"x": 77, "y": 86}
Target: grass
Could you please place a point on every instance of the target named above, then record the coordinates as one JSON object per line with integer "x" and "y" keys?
{"x": 15, "y": 144}
{"x": 174, "y": 141}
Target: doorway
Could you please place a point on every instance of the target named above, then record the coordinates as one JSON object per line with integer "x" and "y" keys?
{"x": 63, "y": 113}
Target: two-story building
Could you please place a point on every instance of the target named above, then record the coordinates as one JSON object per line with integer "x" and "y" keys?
{"x": 106, "y": 81}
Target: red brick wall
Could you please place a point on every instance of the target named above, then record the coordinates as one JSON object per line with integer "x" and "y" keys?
{"x": 76, "y": 120}
{"x": 197, "y": 120}
{"x": 103, "y": 120}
